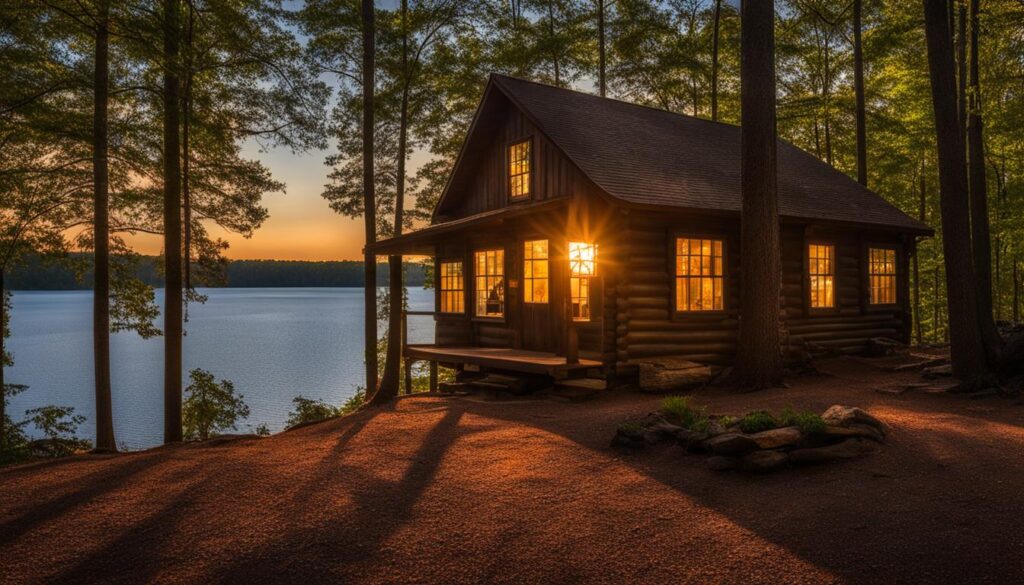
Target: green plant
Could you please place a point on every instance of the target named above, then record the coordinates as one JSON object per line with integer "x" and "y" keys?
{"x": 309, "y": 410}
{"x": 60, "y": 426}
{"x": 630, "y": 428}
{"x": 808, "y": 422}
{"x": 354, "y": 402}
{"x": 726, "y": 421}
{"x": 262, "y": 430}
{"x": 210, "y": 407}
{"x": 757, "y": 421}
{"x": 677, "y": 409}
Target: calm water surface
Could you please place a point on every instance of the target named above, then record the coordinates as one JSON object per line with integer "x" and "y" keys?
{"x": 273, "y": 343}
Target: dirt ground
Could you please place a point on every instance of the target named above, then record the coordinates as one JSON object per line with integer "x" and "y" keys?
{"x": 456, "y": 490}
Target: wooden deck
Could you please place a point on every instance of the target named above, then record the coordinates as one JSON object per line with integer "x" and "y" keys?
{"x": 517, "y": 360}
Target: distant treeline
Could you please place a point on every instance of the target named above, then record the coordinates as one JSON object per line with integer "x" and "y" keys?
{"x": 37, "y": 275}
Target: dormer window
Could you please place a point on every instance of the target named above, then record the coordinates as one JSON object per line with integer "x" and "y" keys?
{"x": 519, "y": 170}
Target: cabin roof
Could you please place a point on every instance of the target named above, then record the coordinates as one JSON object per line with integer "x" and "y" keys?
{"x": 648, "y": 157}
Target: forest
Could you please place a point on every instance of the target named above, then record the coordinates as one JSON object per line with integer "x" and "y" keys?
{"x": 130, "y": 116}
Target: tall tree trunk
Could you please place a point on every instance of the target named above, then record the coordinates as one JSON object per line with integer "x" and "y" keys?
{"x": 391, "y": 381}
{"x": 936, "y": 296}
{"x": 997, "y": 285}
{"x": 186, "y": 151}
{"x": 3, "y": 361}
{"x": 369, "y": 201}
{"x": 858, "y": 89}
{"x": 1016, "y": 290}
{"x": 968, "y": 348}
{"x": 980, "y": 237}
{"x": 917, "y": 253}
{"x": 758, "y": 357}
{"x": 714, "y": 59}
{"x": 961, "y": 67}
{"x": 601, "y": 50}
{"x": 101, "y": 235}
{"x": 173, "y": 296}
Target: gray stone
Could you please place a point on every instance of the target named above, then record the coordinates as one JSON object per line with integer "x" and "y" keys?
{"x": 715, "y": 428}
{"x": 844, "y": 416}
{"x": 848, "y": 449}
{"x": 854, "y": 430}
{"x": 776, "y": 438}
{"x": 764, "y": 460}
{"x": 730, "y": 444}
{"x": 719, "y": 463}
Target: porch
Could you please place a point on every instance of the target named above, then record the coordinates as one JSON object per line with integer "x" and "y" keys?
{"x": 515, "y": 360}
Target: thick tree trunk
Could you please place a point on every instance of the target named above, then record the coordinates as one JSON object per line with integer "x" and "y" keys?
{"x": 101, "y": 235}
{"x": 917, "y": 253}
{"x": 968, "y": 349}
{"x": 391, "y": 381}
{"x": 1016, "y": 290}
{"x": 186, "y": 154}
{"x": 3, "y": 362}
{"x": 369, "y": 202}
{"x": 173, "y": 296}
{"x": 858, "y": 89}
{"x": 961, "y": 67}
{"x": 715, "y": 31}
{"x": 758, "y": 357}
{"x": 601, "y": 50}
{"x": 980, "y": 238}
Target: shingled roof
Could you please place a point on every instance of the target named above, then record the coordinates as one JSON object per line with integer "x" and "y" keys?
{"x": 651, "y": 157}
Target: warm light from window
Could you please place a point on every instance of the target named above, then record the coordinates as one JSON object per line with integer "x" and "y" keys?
{"x": 582, "y": 259}
{"x": 700, "y": 275}
{"x": 519, "y": 169}
{"x": 821, "y": 272}
{"x": 882, "y": 275}
{"x": 451, "y": 289}
{"x": 535, "y": 271}
{"x": 490, "y": 283}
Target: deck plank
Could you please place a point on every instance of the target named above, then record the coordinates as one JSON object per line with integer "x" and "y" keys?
{"x": 496, "y": 357}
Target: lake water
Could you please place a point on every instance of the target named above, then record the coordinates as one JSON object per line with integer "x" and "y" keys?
{"x": 273, "y": 343}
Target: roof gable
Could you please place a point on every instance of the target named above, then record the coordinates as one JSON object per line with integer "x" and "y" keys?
{"x": 649, "y": 157}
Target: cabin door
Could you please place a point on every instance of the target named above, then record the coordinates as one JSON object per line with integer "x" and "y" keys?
{"x": 538, "y": 316}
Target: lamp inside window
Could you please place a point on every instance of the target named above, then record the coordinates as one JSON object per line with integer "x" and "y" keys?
{"x": 582, "y": 266}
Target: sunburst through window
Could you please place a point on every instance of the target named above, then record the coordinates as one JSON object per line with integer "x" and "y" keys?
{"x": 582, "y": 267}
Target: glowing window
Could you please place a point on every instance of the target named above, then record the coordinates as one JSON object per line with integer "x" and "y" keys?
{"x": 519, "y": 169}
{"x": 535, "y": 271}
{"x": 490, "y": 283}
{"x": 582, "y": 266}
{"x": 700, "y": 275}
{"x": 821, "y": 270}
{"x": 882, "y": 275}
{"x": 452, "y": 288}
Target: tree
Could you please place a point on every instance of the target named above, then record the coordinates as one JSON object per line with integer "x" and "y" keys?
{"x": 369, "y": 200}
{"x": 714, "y": 60}
{"x": 980, "y": 234}
{"x": 967, "y": 348}
{"x": 758, "y": 356}
{"x": 858, "y": 88}
{"x": 211, "y": 407}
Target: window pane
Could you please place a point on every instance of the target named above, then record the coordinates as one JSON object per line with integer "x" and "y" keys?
{"x": 700, "y": 274}
{"x": 535, "y": 271}
{"x": 489, "y": 285}
{"x": 882, "y": 276}
{"x": 451, "y": 287}
{"x": 821, "y": 275}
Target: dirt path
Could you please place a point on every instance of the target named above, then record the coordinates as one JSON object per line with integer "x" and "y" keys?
{"x": 460, "y": 490}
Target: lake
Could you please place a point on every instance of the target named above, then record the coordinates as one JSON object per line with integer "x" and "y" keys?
{"x": 273, "y": 343}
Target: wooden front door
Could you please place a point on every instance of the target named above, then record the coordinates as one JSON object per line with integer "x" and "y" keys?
{"x": 539, "y": 316}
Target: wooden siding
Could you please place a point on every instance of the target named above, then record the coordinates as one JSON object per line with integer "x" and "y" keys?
{"x": 647, "y": 326}
{"x": 483, "y": 183}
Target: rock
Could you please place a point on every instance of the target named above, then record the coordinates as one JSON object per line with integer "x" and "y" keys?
{"x": 762, "y": 461}
{"x": 669, "y": 374}
{"x": 943, "y": 387}
{"x": 854, "y": 430}
{"x": 693, "y": 441}
{"x": 776, "y": 438}
{"x": 715, "y": 428}
{"x": 843, "y": 416}
{"x": 730, "y": 444}
{"x": 848, "y": 449}
{"x": 884, "y": 347}
{"x": 942, "y": 371}
{"x": 719, "y": 463}
{"x": 665, "y": 429}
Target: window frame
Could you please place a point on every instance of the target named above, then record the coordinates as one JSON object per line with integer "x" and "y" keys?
{"x": 897, "y": 249}
{"x": 503, "y": 318}
{"x": 811, "y": 309}
{"x": 531, "y": 174}
{"x": 524, "y": 280}
{"x": 441, "y": 291}
{"x": 590, "y": 278}
{"x": 674, "y": 236}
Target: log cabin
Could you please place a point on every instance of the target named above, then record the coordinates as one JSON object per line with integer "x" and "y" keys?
{"x": 579, "y": 235}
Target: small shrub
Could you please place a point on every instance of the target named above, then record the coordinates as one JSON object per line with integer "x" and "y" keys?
{"x": 354, "y": 402}
{"x": 211, "y": 407}
{"x": 630, "y": 428}
{"x": 262, "y": 430}
{"x": 60, "y": 426}
{"x": 309, "y": 410}
{"x": 677, "y": 410}
{"x": 757, "y": 421}
{"x": 726, "y": 421}
{"x": 809, "y": 423}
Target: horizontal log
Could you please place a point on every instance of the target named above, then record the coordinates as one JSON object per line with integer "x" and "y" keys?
{"x": 842, "y": 326}
{"x": 649, "y": 290}
{"x": 656, "y": 302}
{"x": 841, "y": 335}
{"x": 680, "y": 337}
{"x": 666, "y": 349}
{"x": 648, "y": 314}
{"x": 723, "y": 322}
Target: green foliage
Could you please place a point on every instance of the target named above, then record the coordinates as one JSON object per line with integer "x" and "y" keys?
{"x": 60, "y": 426}
{"x": 630, "y": 428}
{"x": 757, "y": 421}
{"x": 354, "y": 402}
{"x": 677, "y": 410}
{"x": 726, "y": 421}
{"x": 210, "y": 407}
{"x": 310, "y": 410}
{"x": 262, "y": 430}
{"x": 809, "y": 423}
